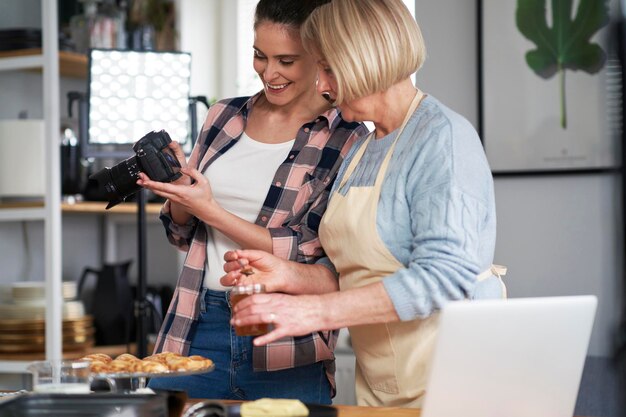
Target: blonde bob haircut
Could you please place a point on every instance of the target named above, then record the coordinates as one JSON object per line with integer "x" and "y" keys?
{"x": 369, "y": 45}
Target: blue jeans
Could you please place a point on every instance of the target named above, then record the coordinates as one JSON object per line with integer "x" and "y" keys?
{"x": 233, "y": 377}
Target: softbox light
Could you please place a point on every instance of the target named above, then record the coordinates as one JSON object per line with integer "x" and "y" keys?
{"x": 134, "y": 92}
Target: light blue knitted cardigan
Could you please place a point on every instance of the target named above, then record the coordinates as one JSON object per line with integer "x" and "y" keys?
{"x": 436, "y": 212}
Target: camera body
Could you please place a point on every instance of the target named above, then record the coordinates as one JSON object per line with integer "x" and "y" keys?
{"x": 152, "y": 157}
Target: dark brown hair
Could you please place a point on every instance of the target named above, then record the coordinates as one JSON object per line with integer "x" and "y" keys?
{"x": 287, "y": 12}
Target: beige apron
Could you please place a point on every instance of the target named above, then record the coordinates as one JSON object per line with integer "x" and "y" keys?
{"x": 392, "y": 359}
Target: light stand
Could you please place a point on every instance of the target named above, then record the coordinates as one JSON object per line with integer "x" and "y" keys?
{"x": 193, "y": 115}
{"x": 141, "y": 301}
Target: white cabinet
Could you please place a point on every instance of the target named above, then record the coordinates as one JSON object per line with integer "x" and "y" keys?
{"x": 50, "y": 214}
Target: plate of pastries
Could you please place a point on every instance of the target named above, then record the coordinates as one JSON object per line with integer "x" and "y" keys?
{"x": 127, "y": 365}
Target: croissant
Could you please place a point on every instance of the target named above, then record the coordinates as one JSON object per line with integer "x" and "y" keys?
{"x": 98, "y": 367}
{"x": 152, "y": 367}
{"x": 117, "y": 366}
{"x": 196, "y": 365}
{"x": 178, "y": 364}
{"x": 127, "y": 357}
{"x": 101, "y": 357}
{"x": 158, "y": 357}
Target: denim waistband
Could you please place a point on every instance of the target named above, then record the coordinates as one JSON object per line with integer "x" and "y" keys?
{"x": 208, "y": 295}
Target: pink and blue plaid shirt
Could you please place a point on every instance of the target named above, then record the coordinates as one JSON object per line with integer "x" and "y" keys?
{"x": 292, "y": 212}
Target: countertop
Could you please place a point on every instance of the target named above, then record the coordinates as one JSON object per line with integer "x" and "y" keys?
{"x": 355, "y": 411}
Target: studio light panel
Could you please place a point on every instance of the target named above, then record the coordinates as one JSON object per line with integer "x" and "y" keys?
{"x": 131, "y": 93}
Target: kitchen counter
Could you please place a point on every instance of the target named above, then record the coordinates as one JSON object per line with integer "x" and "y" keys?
{"x": 355, "y": 411}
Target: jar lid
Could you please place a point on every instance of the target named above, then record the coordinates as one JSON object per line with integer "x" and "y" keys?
{"x": 249, "y": 289}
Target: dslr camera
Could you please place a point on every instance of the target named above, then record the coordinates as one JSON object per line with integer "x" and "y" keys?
{"x": 152, "y": 156}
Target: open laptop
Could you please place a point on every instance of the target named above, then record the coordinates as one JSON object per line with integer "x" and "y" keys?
{"x": 508, "y": 358}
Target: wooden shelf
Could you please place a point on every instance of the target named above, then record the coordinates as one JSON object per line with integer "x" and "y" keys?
{"x": 32, "y": 210}
{"x": 71, "y": 64}
{"x": 98, "y": 207}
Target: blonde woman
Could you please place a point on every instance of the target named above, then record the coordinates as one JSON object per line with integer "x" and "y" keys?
{"x": 411, "y": 221}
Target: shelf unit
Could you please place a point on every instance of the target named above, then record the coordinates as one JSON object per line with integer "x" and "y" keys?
{"x": 47, "y": 60}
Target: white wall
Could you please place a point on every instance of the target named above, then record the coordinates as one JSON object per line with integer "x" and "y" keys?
{"x": 562, "y": 236}
{"x": 20, "y": 14}
{"x": 450, "y": 71}
{"x": 199, "y": 28}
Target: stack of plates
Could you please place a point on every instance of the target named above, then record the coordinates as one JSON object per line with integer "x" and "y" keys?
{"x": 17, "y": 336}
{"x": 35, "y": 291}
{"x": 71, "y": 310}
{"x": 27, "y": 301}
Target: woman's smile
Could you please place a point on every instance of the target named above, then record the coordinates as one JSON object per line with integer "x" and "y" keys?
{"x": 276, "y": 88}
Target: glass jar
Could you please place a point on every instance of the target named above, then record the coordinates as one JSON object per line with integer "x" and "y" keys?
{"x": 237, "y": 294}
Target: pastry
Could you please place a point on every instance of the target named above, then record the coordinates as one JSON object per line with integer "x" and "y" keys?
{"x": 163, "y": 362}
{"x": 178, "y": 363}
{"x": 98, "y": 367}
{"x": 117, "y": 366}
{"x": 100, "y": 357}
{"x": 127, "y": 357}
{"x": 159, "y": 357}
{"x": 199, "y": 362}
{"x": 152, "y": 367}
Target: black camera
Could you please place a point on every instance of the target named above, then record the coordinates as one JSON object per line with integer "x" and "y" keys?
{"x": 152, "y": 156}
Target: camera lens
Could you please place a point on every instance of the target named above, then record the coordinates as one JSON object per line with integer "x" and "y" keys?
{"x": 118, "y": 182}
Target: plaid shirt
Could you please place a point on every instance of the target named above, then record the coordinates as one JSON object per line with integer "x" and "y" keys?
{"x": 292, "y": 211}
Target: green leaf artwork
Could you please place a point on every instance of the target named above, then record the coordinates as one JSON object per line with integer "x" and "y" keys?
{"x": 567, "y": 44}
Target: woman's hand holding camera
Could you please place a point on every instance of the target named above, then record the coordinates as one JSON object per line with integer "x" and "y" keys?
{"x": 195, "y": 195}
{"x": 192, "y": 192}
{"x": 182, "y": 160}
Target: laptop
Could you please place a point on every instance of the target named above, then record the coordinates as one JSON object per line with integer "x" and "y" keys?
{"x": 521, "y": 357}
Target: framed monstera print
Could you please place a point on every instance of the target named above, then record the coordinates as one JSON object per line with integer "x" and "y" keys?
{"x": 549, "y": 86}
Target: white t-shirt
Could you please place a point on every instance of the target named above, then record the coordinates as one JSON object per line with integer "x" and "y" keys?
{"x": 240, "y": 180}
